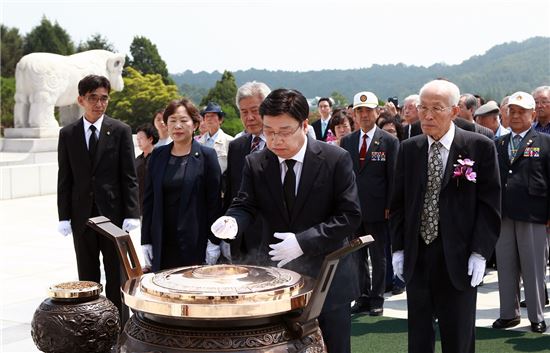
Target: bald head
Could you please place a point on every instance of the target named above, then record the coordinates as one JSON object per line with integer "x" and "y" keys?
{"x": 438, "y": 107}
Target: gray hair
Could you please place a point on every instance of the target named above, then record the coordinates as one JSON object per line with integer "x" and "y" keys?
{"x": 504, "y": 101}
{"x": 252, "y": 89}
{"x": 415, "y": 98}
{"x": 541, "y": 89}
{"x": 447, "y": 86}
{"x": 470, "y": 101}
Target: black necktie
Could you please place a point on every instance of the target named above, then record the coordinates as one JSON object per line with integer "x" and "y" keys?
{"x": 92, "y": 143}
{"x": 289, "y": 185}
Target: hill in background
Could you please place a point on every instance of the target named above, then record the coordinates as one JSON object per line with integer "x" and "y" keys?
{"x": 502, "y": 70}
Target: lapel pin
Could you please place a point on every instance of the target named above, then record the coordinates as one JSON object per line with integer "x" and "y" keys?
{"x": 376, "y": 142}
{"x": 108, "y": 132}
{"x": 196, "y": 154}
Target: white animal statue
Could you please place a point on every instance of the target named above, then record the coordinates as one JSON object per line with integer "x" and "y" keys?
{"x": 44, "y": 81}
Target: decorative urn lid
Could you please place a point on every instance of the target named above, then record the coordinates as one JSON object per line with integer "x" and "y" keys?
{"x": 75, "y": 290}
{"x": 219, "y": 291}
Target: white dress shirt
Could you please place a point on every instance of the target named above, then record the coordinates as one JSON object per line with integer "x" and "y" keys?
{"x": 88, "y": 132}
{"x": 299, "y": 158}
{"x": 370, "y": 136}
{"x": 446, "y": 142}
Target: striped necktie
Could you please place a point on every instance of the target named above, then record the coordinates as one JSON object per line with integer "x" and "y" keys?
{"x": 255, "y": 146}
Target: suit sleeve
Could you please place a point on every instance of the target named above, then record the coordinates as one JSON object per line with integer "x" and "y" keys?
{"x": 128, "y": 177}
{"x": 64, "y": 179}
{"x": 227, "y": 178}
{"x": 148, "y": 201}
{"x": 397, "y": 211}
{"x": 346, "y": 215}
{"x": 391, "y": 161}
{"x": 488, "y": 220}
{"x": 213, "y": 190}
{"x": 244, "y": 206}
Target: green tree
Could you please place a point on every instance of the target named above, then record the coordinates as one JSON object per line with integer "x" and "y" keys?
{"x": 223, "y": 93}
{"x": 48, "y": 38}
{"x": 96, "y": 41}
{"x": 146, "y": 59}
{"x": 340, "y": 101}
{"x": 7, "y": 101}
{"x": 141, "y": 97}
{"x": 11, "y": 49}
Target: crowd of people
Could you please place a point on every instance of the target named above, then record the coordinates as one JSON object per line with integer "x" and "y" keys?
{"x": 446, "y": 184}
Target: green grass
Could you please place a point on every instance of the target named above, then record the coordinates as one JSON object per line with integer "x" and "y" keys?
{"x": 384, "y": 334}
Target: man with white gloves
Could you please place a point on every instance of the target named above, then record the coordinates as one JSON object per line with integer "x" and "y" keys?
{"x": 306, "y": 194}
{"x": 445, "y": 220}
{"x": 96, "y": 177}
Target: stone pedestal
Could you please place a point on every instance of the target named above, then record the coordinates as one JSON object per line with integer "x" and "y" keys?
{"x": 32, "y": 132}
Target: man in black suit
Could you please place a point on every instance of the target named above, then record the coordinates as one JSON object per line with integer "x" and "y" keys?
{"x": 244, "y": 249}
{"x": 374, "y": 154}
{"x": 445, "y": 220}
{"x": 324, "y": 105}
{"x": 305, "y": 192}
{"x": 524, "y": 159}
{"x": 96, "y": 177}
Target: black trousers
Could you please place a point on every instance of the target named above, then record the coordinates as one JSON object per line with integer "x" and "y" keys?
{"x": 336, "y": 328}
{"x": 87, "y": 247}
{"x": 373, "y": 285}
{"x": 431, "y": 296}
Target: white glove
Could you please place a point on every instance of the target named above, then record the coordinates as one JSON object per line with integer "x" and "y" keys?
{"x": 226, "y": 250}
{"x": 212, "y": 253}
{"x": 287, "y": 250}
{"x": 64, "y": 227}
{"x": 147, "y": 254}
{"x": 129, "y": 224}
{"x": 225, "y": 227}
{"x": 397, "y": 261}
{"x": 476, "y": 268}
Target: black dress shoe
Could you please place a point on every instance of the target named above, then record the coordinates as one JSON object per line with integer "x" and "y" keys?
{"x": 358, "y": 308}
{"x": 538, "y": 327}
{"x": 397, "y": 290}
{"x": 376, "y": 311}
{"x": 505, "y": 323}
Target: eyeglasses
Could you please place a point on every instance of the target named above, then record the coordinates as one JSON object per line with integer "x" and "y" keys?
{"x": 434, "y": 110}
{"x": 283, "y": 134}
{"x": 542, "y": 102}
{"x": 94, "y": 98}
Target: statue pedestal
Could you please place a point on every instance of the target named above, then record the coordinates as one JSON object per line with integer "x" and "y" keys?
{"x": 28, "y": 166}
{"x": 32, "y": 132}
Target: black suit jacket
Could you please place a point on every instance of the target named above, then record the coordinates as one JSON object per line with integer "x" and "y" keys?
{"x": 375, "y": 178}
{"x": 325, "y": 214}
{"x": 200, "y": 201}
{"x": 109, "y": 180}
{"x": 526, "y": 180}
{"x": 317, "y": 128}
{"x": 469, "y": 213}
{"x": 245, "y": 247}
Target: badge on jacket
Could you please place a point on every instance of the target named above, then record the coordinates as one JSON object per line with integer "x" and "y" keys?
{"x": 378, "y": 156}
{"x": 531, "y": 152}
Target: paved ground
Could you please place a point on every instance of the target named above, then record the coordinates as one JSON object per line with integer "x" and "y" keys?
{"x": 34, "y": 256}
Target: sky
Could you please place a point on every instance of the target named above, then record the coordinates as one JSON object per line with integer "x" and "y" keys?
{"x": 293, "y": 35}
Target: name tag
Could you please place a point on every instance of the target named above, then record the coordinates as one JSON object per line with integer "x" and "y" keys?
{"x": 531, "y": 152}
{"x": 378, "y": 156}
